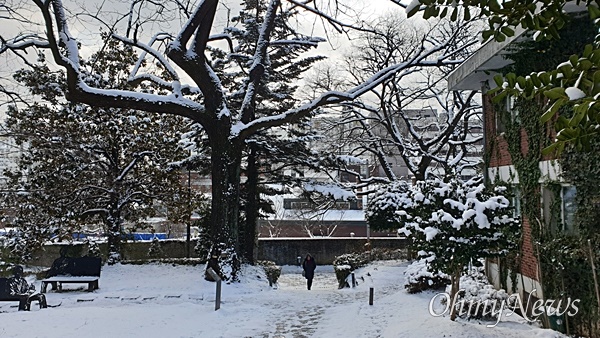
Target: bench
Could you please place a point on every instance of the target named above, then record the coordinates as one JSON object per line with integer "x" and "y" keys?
{"x": 5, "y": 295}
{"x": 81, "y": 270}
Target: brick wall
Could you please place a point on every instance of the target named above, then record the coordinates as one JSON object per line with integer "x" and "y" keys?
{"x": 497, "y": 148}
{"x": 529, "y": 262}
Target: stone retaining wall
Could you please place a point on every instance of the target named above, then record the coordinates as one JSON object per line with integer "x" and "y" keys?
{"x": 283, "y": 251}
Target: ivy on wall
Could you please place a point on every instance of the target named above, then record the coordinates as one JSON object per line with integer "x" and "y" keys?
{"x": 565, "y": 258}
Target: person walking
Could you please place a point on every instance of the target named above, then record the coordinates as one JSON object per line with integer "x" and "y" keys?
{"x": 309, "y": 265}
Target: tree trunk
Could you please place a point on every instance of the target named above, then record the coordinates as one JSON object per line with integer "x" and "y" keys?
{"x": 455, "y": 280}
{"x": 248, "y": 233}
{"x": 113, "y": 222}
{"x": 225, "y": 170}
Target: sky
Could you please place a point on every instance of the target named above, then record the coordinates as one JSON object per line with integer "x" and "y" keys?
{"x": 161, "y": 300}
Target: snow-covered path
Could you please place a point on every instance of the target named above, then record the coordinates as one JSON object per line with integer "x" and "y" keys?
{"x": 174, "y": 301}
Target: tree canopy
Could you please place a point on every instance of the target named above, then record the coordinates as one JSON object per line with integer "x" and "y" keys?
{"x": 573, "y": 83}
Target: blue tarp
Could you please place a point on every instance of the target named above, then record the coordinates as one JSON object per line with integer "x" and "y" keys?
{"x": 140, "y": 236}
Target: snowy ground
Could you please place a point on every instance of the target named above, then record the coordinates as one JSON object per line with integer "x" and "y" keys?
{"x": 174, "y": 301}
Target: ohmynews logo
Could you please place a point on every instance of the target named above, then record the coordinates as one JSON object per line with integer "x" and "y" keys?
{"x": 495, "y": 307}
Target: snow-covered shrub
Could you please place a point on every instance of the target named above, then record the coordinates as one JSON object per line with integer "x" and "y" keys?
{"x": 272, "y": 270}
{"x": 457, "y": 221}
{"x": 155, "y": 250}
{"x": 477, "y": 298}
{"x": 450, "y": 220}
{"x": 94, "y": 249}
{"x": 383, "y": 254}
{"x": 202, "y": 247}
{"x": 418, "y": 278}
{"x": 344, "y": 265}
{"x": 383, "y": 206}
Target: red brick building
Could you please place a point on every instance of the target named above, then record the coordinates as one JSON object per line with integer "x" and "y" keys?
{"x": 477, "y": 73}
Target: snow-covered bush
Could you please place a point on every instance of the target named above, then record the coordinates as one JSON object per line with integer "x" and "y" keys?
{"x": 383, "y": 206}
{"x": 94, "y": 249}
{"x": 457, "y": 221}
{"x": 453, "y": 221}
{"x": 155, "y": 250}
{"x": 272, "y": 270}
{"x": 418, "y": 278}
{"x": 344, "y": 265}
{"x": 477, "y": 298}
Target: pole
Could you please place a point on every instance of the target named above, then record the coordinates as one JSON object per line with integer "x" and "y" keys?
{"x": 189, "y": 225}
{"x": 218, "y": 296}
{"x": 371, "y": 291}
{"x": 216, "y": 277}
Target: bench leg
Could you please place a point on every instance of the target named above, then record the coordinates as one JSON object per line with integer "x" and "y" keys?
{"x": 54, "y": 287}
{"x": 44, "y": 287}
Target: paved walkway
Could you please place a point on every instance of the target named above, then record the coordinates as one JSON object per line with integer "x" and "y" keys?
{"x": 302, "y": 319}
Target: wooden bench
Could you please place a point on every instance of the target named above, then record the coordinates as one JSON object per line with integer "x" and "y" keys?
{"x": 5, "y": 295}
{"x": 81, "y": 270}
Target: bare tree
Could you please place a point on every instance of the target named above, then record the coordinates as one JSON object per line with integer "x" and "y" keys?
{"x": 194, "y": 90}
{"x": 390, "y": 124}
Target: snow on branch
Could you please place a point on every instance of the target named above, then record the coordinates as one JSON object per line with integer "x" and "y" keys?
{"x": 147, "y": 49}
{"x": 260, "y": 58}
{"x": 329, "y": 189}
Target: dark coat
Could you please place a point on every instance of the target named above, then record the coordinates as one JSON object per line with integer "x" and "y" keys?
{"x": 309, "y": 267}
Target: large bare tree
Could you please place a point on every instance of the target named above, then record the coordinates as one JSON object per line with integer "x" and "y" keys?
{"x": 195, "y": 90}
{"x": 390, "y": 124}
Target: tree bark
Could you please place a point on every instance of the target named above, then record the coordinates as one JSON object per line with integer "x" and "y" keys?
{"x": 252, "y": 206}
{"x": 113, "y": 221}
{"x": 455, "y": 280}
{"x": 224, "y": 233}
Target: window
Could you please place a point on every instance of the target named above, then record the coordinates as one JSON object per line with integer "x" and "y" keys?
{"x": 508, "y": 110}
{"x": 568, "y": 207}
{"x": 516, "y": 201}
{"x": 559, "y": 206}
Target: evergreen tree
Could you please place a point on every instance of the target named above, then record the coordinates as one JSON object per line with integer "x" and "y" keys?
{"x": 274, "y": 94}
{"x": 452, "y": 223}
{"x": 85, "y": 166}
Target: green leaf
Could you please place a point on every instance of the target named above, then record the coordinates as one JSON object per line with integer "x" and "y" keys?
{"x": 487, "y": 34}
{"x": 552, "y": 111}
{"x": 556, "y": 93}
{"x": 522, "y": 82}
{"x": 594, "y": 11}
{"x": 545, "y": 78}
{"x": 574, "y": 60}
{"x": 551, "y": 149}
{"x": 499, "y": 80}
{"x": 579, "y": 114}
{"x": 444, "y": 12}
{"x": 498, "y": 98}
{"x": 454, "y": 14}
{"x": 587, "y": 51}
{"x": 585, "y": 64}
{"x": 507, "y": 31}
{"x": 535, "y": 80}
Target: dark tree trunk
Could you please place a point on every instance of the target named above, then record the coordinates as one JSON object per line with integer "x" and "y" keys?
{"x": 113, "y": 222}
{"x": 225, "y": 169}
{"x": 252, "y": 206}
{"x": 455, "y": 284}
